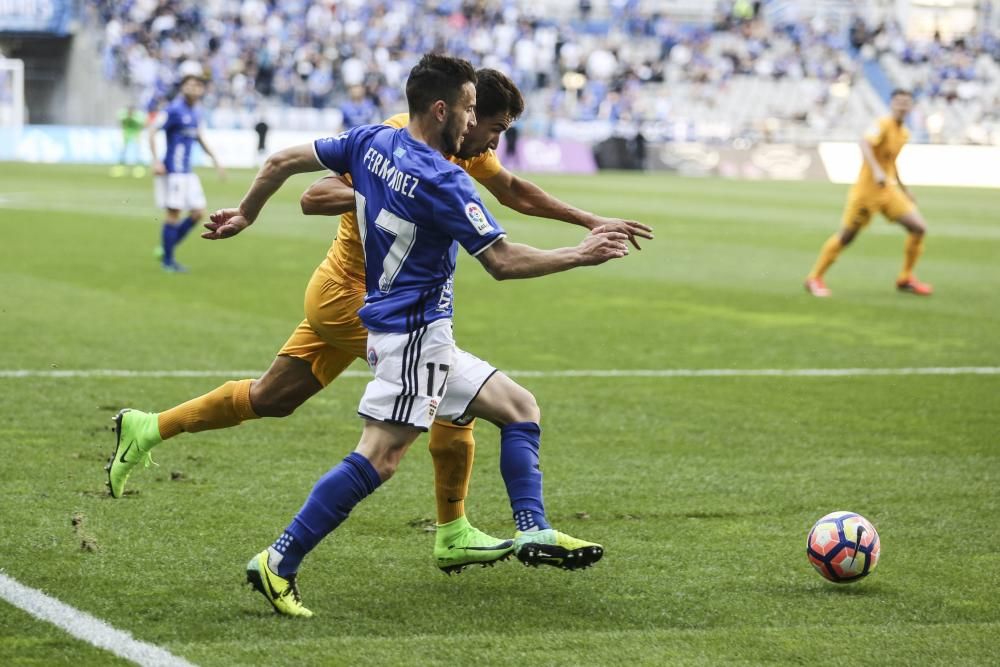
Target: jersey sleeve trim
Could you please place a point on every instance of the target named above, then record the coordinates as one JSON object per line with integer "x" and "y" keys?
{"x": 485, "y": 247}
{"x": 320, "y": 160}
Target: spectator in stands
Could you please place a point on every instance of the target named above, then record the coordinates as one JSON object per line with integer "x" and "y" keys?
{"x": 359, "y": 109}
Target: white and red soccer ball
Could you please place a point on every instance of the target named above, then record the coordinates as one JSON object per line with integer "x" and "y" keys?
{"x": 843, "y": 547}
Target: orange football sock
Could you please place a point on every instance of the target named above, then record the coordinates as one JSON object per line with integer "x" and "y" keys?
{"x": 453, "y": 449}
{"x": 912, "y": 250}
{"x": 827, "y": 256}
{"x": 225, "y": 406}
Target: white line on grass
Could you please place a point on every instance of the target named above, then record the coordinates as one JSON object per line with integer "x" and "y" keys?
{"x": 623, "y": 373}
{"x": 86, "y": 627}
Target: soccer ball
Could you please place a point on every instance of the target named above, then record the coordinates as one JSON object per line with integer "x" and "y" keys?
{"x": 843, "y": 547}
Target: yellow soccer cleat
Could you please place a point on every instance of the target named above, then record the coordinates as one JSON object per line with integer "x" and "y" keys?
{"x": 136, "y": 433}
{"x": 458, "y": 545}
{"x": 550, "y": 547}
{"x": 283, "y": 594}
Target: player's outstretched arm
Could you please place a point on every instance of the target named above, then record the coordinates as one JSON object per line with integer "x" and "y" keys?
{"x": 158, "y": 168}
{"x": 279, "y": 166}
{"x": 525, "y": 197}
{"x": 330, "y": 195}
{"x": 506, "y": 261}
{"x": 211, "y": 155}
{"x": 868, "y": 153}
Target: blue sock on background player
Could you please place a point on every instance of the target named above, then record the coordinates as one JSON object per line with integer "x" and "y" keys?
{"x": 329, "y": 503}
{"x": 519, "y": 443}
{"x": 168, "y": 241}
{"x": 184, "y": 228}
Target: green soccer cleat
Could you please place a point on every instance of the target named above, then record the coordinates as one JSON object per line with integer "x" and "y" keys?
{"x": 283, "y": 594}
{"x": 458, "y": 544}
{"x": 135, "y": 435}
{"x": 550, "y": 547}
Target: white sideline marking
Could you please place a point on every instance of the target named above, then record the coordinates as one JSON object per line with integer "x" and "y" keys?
{"x": 86, "y": 627}
{"x": 625, "y": 373}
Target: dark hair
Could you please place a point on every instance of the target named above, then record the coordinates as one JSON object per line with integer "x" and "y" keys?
{"x": 900, "y": 91}
{"x": 496, "y": 93}
{"x": 185, "y": 78}
{"x": 434, "y": 78}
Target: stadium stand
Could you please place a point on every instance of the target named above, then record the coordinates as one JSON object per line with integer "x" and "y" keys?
{"x": 957, "y": 83}
{"x": 678, "y": 68}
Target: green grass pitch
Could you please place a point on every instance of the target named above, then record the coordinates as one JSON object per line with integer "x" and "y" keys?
{"x": 701, "y": 489}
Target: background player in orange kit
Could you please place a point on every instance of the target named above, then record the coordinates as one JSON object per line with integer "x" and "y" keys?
{"x": 878, "y": 188}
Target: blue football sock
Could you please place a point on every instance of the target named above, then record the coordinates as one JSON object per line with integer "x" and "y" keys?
{"x": 519, "y": 467}
{"x": 184, "y": 228}
{"x": 169, "y": 240}
{"x": 329, "y": 503}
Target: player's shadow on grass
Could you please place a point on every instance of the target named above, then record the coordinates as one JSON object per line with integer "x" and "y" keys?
{"x": 854, "y": 590}
{"x": 860, "y": 589}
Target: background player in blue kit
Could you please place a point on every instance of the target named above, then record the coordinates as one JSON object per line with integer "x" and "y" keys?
{"x": 358, "y": 109}
{"x": 412, "y": 206}
{"x": 177, "y": 187}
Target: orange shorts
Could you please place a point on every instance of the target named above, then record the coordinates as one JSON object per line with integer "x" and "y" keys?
{"x": 890, "y": 201}
{"x": 332, "y": 335}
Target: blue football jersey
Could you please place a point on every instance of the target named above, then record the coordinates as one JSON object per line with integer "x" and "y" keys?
{"x": 181, "y": 127}
{"x": 412, "y": 206}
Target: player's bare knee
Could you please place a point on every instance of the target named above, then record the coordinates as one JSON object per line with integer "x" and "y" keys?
{"x": 502, "y": 401}
{"x": 522, "y": 407}
{"x": 383, "y": 455}
{"x": 384, "y": 466}
{"x": 914, "y": 223}
{"x": 286, "y": 385}
{"x": 528, "y": 409}
{"x": 196, "y": 215}
{"x": 283, "y": 406}
{"x": 262, "y": 401}
{"x": 271, "y": 400}
{"x": 384, "y": 445}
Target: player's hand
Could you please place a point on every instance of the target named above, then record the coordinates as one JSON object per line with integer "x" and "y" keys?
{"x": 224, "y": 223}
{"x": 630, "y": 228}
{"x": 602, "y": 245}
{"x": 159, "y": 168}
{"x": 221, "y": 172}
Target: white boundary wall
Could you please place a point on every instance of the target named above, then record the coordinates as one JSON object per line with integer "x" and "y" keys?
{"x": 921, "y": 164}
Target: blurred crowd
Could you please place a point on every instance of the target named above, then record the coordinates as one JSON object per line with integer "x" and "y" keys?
{"x": 952, "y": 70}
{"x": 357, "y": 52}
{"x": 956, "y": 81}
{"x": 353, "y": 55}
